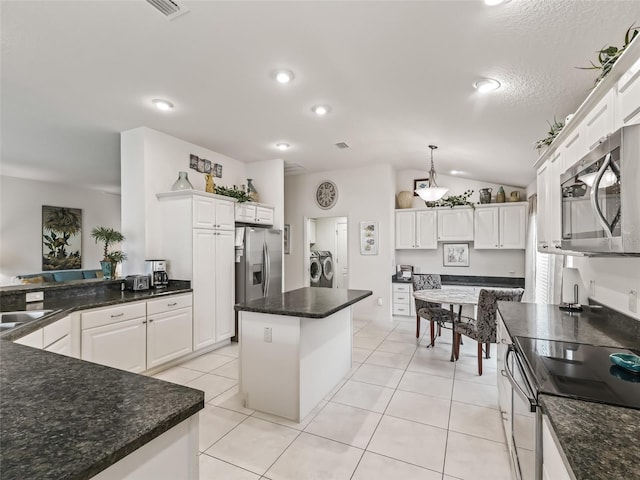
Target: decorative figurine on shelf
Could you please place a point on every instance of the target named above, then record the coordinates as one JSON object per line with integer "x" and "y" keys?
{"x": 182, "y": 183}
{"x": 210, "y": 187}
{"x": 485, "y": 195}
{"x": 500, "y": 196}
{"x": 251, "y": 190}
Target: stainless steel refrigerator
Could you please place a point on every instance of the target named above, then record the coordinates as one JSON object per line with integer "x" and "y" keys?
{"x": 259, "y": 266}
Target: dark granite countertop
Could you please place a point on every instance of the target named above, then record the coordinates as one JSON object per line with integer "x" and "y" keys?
{"x": 598, "y": 440}
{"x": 595, "y": 325}
{"x": 71, "y": 419}
{"x": 73, "y": 297}
{"x": 475, "y": 280}
{"x": 308, "y": 302}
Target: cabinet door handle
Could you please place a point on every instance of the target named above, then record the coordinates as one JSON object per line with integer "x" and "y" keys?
{"x": 117, "y": 315}
{"x": 144, "y": 321}
{"x": 172, "y": 304}
{"x": 150, "y": 320}
{"x": 496, "y": 246}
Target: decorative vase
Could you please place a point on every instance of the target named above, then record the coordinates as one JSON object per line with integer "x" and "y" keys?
{"x": 500, "y": 196}
{"x": 108, "y": 270}
{"x": 210, "y": 187}
{"x": 485, "y": 195}
{"x": 182, "y": 183}
{"x": 405, "y": 199}
{"x": 515, "y": 196}
{"x": 251, "y": 190}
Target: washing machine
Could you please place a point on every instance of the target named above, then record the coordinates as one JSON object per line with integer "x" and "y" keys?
{"x": 326, "y": 260}
{"x": 315, "y": 269}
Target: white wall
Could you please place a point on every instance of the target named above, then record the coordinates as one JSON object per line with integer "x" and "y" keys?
{"x": 268, "y": 179}
{"x": 456, "y": 186}
{"x": 364, "y": 194}
{"x": 21, "y": 204}
{"x": 150, "y": 162}
{"x": 614, "y": 277}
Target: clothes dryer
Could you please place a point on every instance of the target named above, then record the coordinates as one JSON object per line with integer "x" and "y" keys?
{"x": 326, "y": 260}
{"x": 315, "y": 270}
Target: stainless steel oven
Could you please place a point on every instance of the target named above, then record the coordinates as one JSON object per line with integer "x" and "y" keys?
{"x": 601, "y": 199}
{"x": 521, "y": 414}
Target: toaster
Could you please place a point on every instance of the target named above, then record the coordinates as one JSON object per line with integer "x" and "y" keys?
{"x": 136, "y": 282}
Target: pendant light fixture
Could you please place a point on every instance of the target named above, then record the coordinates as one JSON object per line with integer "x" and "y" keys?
{"x": 433, "y": 192}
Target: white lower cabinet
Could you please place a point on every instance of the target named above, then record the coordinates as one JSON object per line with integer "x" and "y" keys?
{"x": 56, "y": 337}
{"x": 553, "y": 465}
{"x": 120, "y": 345}
{"x": 169, "y": 336}
{"x": 61, "y": 346}
{"x": 138, "y": 336}
{"x": 403, "y": 303}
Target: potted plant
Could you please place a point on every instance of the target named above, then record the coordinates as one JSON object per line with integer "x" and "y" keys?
{"x": 110, "y": 260}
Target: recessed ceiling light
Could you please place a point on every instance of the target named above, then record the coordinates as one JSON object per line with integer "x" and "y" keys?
{"x": 493, "y": 3}
{"x": 282, "y": 146}
{"x": 164, "y": 105}
{"x": 321, "y": 110}
{"x": 486, "y": 85}
{"x": 456, "y": 172}
{"x": 283, "y": 76}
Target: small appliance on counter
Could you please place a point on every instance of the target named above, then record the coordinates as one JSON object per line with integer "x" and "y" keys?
{"x": 404, "y": 273}
{"x": 136, "y": 282}
{"x": 157, "y": 271}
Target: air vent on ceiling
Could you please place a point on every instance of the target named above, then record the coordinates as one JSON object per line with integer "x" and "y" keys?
{"x": 342, "y": 145}
{"x": 291, "y": 168}
{"x": 169, "y": 8}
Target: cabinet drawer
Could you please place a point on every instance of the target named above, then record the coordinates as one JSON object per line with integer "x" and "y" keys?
{"x": 401, "y": 298}
{"x": 57, "y": 330}
{"x": 401, "y": 309}
{"x": 106, "y": 316}
{"x": 167, "y": 304}
{"x": 405, "y": 288}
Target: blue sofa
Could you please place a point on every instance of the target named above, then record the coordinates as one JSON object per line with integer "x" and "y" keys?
{"x": 58, "y": 276}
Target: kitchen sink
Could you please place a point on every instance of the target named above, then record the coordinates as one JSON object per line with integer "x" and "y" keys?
{"x": 10, "y": 320}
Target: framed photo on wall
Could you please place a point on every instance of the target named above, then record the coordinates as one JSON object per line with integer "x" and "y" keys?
{"x": 285, "y": 237}
{"x": 368, "y": 238}
{"x": 455, "y": 254}
{"x": 419, "y": 183}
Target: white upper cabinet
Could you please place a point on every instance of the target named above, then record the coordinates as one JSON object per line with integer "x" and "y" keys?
{"x": 416, "y": 229}
{"x": 455, "y": 224}
{"x": 599, "y": 123}
{"x": 254, "y": 213}
{"x": 541, "y": 216}
{"x": 500, "y": 226}
{"x": 213, "y": 213}
{"x": 628, "y": 104}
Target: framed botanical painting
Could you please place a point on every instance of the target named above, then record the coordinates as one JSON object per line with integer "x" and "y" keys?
{"x": 368, "y": 238}
{"x": 419, "y": 183}
{"x": 61, "y": 238}
{"x": 285, "y": 237}
{"x": 455, "y": 254}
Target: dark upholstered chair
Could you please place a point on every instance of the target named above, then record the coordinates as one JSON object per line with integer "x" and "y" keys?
{"x": 427, "y": 310}
{"x": 483, "y": 328}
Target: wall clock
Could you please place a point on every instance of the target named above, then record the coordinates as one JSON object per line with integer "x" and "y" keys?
{"x": 326, "y": 194}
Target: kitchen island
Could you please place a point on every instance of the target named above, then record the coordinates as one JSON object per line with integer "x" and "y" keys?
{"x": 294, "y": 348}
{"x": 67, "y": 418}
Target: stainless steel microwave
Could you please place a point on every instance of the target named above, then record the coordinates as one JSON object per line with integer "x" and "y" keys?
{"x": 601, "y": 197}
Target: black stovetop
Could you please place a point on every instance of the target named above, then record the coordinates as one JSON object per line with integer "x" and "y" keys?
{"x": 581, "y": 371}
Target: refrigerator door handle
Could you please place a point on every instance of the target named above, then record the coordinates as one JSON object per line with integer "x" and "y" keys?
{"x": 267, "y": 269}
{"x": 264, "y": 271}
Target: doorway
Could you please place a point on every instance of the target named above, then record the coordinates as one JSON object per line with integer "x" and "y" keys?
{"x": 328, "y": 252}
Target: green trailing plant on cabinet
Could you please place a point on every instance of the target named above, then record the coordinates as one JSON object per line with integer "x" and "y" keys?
{"x": 554, "y": 129}
{"x": 453, "y": 200}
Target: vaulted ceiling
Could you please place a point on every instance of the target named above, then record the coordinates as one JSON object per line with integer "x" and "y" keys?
{"x": 398, "y": 76}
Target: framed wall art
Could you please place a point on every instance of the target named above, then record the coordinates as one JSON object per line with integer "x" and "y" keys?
{"x": 419, "y": 183}
{"x": 61, "y": 238}
{"x": 455, "y": 254}
{"x": 368, "y": 238}
{"x": 285, "y": 237}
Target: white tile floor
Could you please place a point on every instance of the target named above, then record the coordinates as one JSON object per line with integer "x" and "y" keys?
{"x": 403, "y": 411}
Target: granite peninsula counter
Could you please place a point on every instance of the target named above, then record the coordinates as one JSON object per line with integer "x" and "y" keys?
{"x": 599, "y": 441}
{"x": 294, "y": 348}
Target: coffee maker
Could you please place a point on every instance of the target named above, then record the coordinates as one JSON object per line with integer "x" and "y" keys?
{"x": 157, "y": 271}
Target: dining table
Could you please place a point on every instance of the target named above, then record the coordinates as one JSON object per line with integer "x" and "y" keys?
{"x": 451, "y": 295}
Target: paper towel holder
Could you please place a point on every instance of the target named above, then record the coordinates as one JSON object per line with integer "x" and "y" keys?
{"x": 571, "y": 276}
